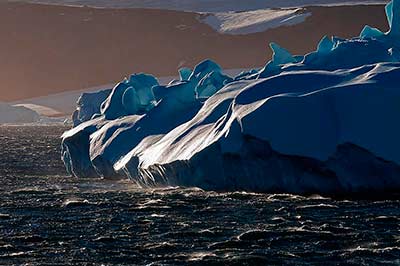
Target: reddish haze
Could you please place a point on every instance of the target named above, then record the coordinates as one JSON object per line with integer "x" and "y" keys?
{"x": 48, "y": 49}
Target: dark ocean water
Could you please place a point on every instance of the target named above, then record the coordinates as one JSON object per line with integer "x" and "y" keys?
{"x": 47, "y": 218}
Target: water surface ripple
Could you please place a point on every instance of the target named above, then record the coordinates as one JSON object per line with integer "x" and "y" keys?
{"x": 47, "y": 218}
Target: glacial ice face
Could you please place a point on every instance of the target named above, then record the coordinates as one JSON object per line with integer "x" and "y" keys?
{"x": 393, "y": 9}
{"x": 389, "y": 13}
{"x": 112, "y": 107}
{"x": 369, "y": 32}
{"x": 280, "y": 55}
{"x": 203, "y": 68}
{"x": 140, "y": 93}
{"x": 319, "y": 123}
{"x": 293, "y": 122}
{"x": 88, "y": 105}
{"x": 184, "y": 73}
{"x": 130, "y": 97}
{"x": 325, "y": 45}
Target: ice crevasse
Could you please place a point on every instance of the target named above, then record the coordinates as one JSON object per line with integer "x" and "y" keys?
{"x": 325, "y": 122}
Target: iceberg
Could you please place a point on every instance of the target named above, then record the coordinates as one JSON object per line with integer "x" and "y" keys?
{"x": 246, "y": 22}
{"x": 324, "y": 122}
{"x": 10, "y": 114}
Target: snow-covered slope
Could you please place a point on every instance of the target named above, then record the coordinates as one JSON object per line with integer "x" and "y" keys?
{"x": 323, "y": 123}
{"x": 16, "y": 114}
{"x": 202, "y": 5}
{"x": 254, "y": 21}
{"x": 225, "y": 16}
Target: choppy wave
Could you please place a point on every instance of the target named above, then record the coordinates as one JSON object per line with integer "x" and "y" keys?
{"x": 50, "y": 219}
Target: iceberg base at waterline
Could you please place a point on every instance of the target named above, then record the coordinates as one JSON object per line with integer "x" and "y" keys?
{"x": 324, "y": 123}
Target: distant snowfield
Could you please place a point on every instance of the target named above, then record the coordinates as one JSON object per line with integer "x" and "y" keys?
{"x": 41, "y": 110}
{"x": 254, "y": 21}
{"x": 16, "y": 114}
{"x": 225, "y": 16}
{"x": 202, "y": 5}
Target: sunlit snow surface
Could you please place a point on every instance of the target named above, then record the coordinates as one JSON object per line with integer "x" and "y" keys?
{"x": 318, "y": 123}
{"x": 254, "y": 21}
